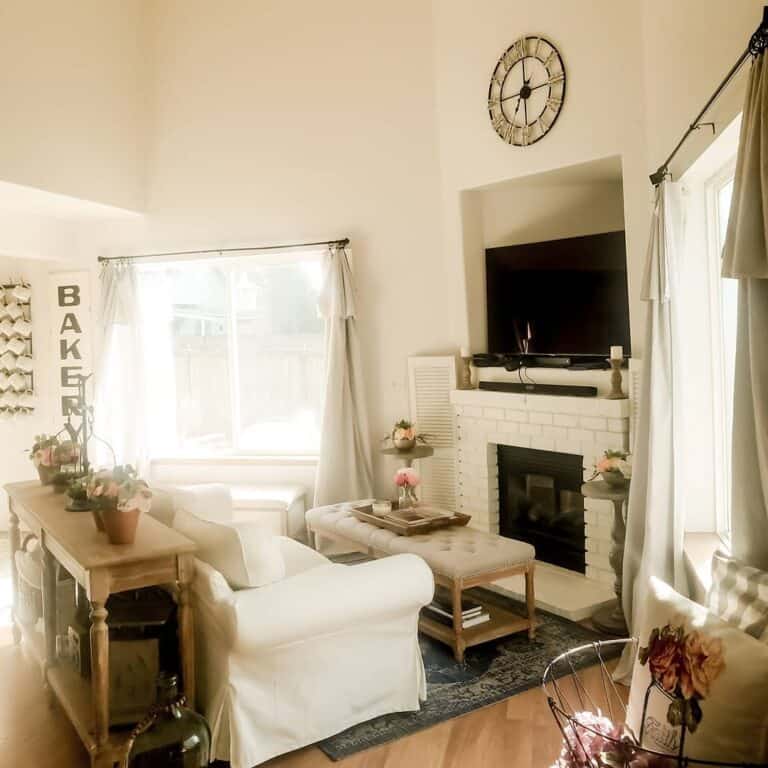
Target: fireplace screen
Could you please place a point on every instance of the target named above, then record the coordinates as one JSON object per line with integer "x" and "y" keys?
{"x": 540, "y": 502}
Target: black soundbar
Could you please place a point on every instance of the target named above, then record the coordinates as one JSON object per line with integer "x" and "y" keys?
{"x": 538, "y": 389}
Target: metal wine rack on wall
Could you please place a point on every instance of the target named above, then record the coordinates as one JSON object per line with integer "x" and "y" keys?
{"x": 17, "y": 378}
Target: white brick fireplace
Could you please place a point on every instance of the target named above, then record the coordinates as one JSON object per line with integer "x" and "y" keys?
{"x": 575, "y": 425}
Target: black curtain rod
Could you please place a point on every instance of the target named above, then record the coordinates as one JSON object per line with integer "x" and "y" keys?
{"x": 343, "y": 242}
{"x": 757, "y": 44}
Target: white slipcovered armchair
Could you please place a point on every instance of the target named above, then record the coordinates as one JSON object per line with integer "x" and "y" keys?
{"x": 322, "y": 648}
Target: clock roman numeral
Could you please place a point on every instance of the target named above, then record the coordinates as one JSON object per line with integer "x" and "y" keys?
{"x": 550, "y": 59}
{"x": 521, "y": 47}
{"x": 510, "y": 58}
{"x": 524, "y": 135}
{"x": 508, "y": 133}
{"x": 554, "y": 79}
{"x": 499, "y": 121}
{"x": 554, "y": 103}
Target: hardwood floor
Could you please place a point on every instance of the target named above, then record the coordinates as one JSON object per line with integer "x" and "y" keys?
{"x": 516, "y": 733}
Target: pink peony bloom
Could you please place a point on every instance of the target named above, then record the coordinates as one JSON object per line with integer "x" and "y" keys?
{"x": 46, "y": 456}
{"x": 407, "y": 477}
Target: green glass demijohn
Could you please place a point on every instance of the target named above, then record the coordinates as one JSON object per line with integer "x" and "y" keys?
{"x": 172, "y": 735}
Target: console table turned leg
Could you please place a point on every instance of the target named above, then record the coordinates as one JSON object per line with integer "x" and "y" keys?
{"x": 14, "y": 538}
{"x": 49, "y": 606}
{"x": 612, "y": 619}
{"x": 186, "y": 631}
{"x": 100, "y": 671}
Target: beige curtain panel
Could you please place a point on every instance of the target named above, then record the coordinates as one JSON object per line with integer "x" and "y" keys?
{"x": 745, "y": 256}
{"x": 344, "y": 471}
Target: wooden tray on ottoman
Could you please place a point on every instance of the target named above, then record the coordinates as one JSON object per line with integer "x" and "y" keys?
{"x": 365, "y": 514}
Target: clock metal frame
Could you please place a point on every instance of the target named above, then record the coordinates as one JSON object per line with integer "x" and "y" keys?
{"x": 509, "y": 132}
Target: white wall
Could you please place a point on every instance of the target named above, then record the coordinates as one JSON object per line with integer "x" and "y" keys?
{"x": 512, "y": 215}
{"x": 73, "y": 89}
{"x": 17, "y": 433}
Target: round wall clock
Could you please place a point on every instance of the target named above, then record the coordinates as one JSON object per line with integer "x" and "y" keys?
{"x": 527, "y": 91}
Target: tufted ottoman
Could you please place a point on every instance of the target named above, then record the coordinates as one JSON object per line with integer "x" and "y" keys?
{"x": 460, "y": 558}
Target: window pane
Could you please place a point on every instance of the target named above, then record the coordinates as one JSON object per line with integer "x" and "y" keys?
{"x": 201, "y": 362}
{"x": 280, "y": 353}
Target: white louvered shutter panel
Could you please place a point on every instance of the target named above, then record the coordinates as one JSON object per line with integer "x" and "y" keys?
{"x": 431, "y": 380}
{"x": 635, "y": 386}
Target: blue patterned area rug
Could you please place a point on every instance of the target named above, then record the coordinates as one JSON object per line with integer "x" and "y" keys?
{"x": 492, "y": 672}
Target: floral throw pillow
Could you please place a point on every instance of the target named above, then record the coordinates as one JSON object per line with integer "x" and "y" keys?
{"x": 699, "y": 684}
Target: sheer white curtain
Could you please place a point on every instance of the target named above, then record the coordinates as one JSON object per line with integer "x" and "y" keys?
{"x": 745, "y": 256}
{"x": 655, "y": 519}
{"x": 119, "y": 407}
{"x": 134, "y": 374}
{"x": 344, "y": 471}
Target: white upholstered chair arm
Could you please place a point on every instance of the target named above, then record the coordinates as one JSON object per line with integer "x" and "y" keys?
{"x": 329, "y": 599}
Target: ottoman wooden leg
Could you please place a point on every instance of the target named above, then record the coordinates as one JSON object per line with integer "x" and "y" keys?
{"x": 530, "y": 601}
{"x": 459, "y": 647}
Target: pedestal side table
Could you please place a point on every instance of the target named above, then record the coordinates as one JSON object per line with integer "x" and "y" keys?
{"x": 611, "y": 618}
{"x": 417, "y": 452}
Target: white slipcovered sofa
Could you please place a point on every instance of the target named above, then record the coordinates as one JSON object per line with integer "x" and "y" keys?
{"x": 317, "y": 648}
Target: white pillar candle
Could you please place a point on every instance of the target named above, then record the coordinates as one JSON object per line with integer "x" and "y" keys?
{"x": 617, "y": 353}
{"x": 464, "y": 352}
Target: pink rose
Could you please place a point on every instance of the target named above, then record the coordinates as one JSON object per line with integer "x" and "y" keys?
{"x": 702, "y": 663}
{"x": 665, "y": 659}
{"x": 407, "y": 477}
{"x": 46, "y": 456}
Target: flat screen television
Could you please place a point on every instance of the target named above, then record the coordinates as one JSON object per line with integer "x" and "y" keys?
{"x": 563, "y": 297}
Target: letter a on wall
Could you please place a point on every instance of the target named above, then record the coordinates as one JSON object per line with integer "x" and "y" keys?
{"x": 71, "y": 323}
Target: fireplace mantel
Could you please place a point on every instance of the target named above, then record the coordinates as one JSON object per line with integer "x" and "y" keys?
{"x": 592, "y": 406}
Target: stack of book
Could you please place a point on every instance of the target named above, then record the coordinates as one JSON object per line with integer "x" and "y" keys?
{"x": 439, "y": 609}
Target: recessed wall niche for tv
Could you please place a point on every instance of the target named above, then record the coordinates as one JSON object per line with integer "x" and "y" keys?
{"x": 17, "y": 381}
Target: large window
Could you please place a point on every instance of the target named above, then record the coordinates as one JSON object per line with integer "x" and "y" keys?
{"x": 247, "y": 349}
{"x": 723, "y": 308}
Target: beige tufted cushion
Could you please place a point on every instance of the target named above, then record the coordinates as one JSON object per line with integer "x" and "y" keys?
{"x": 452, "y": 552}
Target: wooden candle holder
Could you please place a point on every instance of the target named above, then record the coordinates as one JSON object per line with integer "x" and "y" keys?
{"x": 616, "y": 392}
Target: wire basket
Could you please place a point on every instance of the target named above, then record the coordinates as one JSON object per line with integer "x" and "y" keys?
{"x": 586, "y": 703}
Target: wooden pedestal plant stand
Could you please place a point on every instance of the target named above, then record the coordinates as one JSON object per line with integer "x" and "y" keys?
{"x": 611, "y": 619}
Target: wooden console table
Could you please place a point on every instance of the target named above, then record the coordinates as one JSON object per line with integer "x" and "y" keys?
{"x": 159, "y": 555}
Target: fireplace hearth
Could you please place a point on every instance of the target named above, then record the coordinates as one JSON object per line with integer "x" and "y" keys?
{"x": 540, "y": 502}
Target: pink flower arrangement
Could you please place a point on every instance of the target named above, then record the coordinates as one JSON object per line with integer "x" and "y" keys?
{"x": 48, "y": 452}
{"x": 593, "y": 740}
{"x": 615, "y": 461}
{"x": 120, "y": 487}
{"x": 407, "y": 477}
{"x": 684, "y": 664}
{"x": 43, "y": 457}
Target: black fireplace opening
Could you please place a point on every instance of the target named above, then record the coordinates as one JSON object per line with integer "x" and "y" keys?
{"x": 540, "y": 502}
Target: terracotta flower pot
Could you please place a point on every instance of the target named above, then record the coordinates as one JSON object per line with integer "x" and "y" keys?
{"x": 46, "y": 474}
{"x": 615, "y": 479}
{"x": 96, "y": 512}
{"x": 120, "y": 524}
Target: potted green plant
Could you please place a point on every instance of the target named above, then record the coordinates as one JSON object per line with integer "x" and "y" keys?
{"x": 119, "y": 496}
{"x": 43, "y": 456}
{"x": 77, "y": 490}
{"x": 615, "y": 468}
